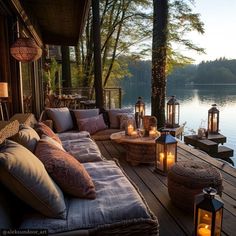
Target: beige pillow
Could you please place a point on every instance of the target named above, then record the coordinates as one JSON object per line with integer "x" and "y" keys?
{"x": 114, "y": 116}
{"x": 24, "y": 174}
{"x": 61, "y": 117}
{"x": 27, "y": 137}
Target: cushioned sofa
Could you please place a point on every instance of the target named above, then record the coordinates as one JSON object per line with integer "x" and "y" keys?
{"x": 64, "y": 186}
{"x": 100, "y": 124}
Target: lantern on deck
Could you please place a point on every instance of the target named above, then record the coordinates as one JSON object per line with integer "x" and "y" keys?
{"x": 139, "y": 112}
{"x": 213, "y": 119}
{"x": 166, "y": 152}
{"x": 208, "y": 213}
{"x": 172, "y": 113}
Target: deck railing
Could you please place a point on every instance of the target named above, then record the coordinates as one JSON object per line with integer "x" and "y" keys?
{"x": 112, "y": 96}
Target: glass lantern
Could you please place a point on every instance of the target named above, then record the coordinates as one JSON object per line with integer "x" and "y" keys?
{"x": 208, "y": 213}
{"x": 166, "y": 152}
{"x": 129, "y": 127}
{"x": 139, "y": 112}
{"x": 213, "y": 120}
{"x": 172, "y": 113}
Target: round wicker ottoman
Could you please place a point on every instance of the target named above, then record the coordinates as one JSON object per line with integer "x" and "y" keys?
{"x": 186, "y": 179}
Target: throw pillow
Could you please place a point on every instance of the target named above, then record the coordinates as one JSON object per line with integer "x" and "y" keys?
{"x": 24, "y": 174}
{"x": 114, "y": 118}
{"x": 41, "y": 129}
{"x": 93, "y": 124}
{"x": 61, "y": 118}
{"x": 27, "y": 137}
{"x": 52, "y": 141}
{"x": 125, "y": 119}
{"x": 67, "y": 172}
{"x": 84, "y": 113}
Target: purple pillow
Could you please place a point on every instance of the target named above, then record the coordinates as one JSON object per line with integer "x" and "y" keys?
{"x": 92, "y": 124}
{"x": 65, "y": 170}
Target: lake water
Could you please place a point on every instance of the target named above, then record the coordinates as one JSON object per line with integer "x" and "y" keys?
{"x": 194, "y": 105}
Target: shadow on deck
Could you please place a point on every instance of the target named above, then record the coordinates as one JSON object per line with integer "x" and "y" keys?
{"x": 174, "y": 222}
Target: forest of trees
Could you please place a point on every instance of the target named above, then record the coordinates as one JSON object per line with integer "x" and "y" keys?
{"x": 220, "y": 71}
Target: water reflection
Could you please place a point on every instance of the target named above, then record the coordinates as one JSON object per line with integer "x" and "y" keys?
{"x": 194, "y": 105}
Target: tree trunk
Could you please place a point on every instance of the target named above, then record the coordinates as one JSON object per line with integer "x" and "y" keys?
{"x": 97, "y": 55}
{"x": 66, "y": 72}
{"x": 159, "y": 51}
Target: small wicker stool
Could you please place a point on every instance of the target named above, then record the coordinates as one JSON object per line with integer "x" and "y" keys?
{"x": 186, "y": 179}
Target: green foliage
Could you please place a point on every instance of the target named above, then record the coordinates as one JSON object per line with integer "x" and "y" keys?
{"x": 49, "y": 74}
{"x": 221, "y": 71}
{"x": 126, "y": 30}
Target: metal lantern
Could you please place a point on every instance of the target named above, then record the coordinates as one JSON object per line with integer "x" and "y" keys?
{"x": 139, "y": 112}
{"x": 172, "y": 113}
{"x": 213, "y": 119}
{"x": 208, "y": 213}
{"x": 166, "y": 152}
{"x": 25, "y": 50}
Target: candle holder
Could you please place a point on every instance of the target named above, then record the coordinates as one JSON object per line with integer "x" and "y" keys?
{"x": 208, "y": 213}
{"x": 129, "y": 127}
{"x": 166, "y": 152}
{"x": 172, "y": 113}
{"x": 139, "y": 112}
{"x": 213, "y": 120}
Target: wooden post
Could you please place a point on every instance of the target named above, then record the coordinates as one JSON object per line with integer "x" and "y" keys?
{"x": 97, "y": 55}
{"x": 66, "y": 72}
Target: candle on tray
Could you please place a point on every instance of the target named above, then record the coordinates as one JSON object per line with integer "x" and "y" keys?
{"x": 134, "y": 134}
{"x": 152, "y": 133}
{"x": 130, "y": 129}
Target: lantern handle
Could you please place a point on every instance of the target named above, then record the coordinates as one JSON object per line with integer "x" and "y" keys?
{"x": 209, "y": 192}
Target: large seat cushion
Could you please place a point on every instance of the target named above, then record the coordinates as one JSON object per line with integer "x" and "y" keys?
{"x": 65, "y": 170}
{"x": 83, "y": 149}
{"x": 114, "y": 116}
{"x": 62, "y": 120}
{"x": 24, "y": 174}
{"x": 73, "y": 134}
{"x": 118, "y": 207}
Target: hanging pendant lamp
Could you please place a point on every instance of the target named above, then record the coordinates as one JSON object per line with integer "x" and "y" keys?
{"x": 25, "y": 50}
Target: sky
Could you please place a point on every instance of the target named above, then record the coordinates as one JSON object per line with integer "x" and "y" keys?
{"x": 219, "y": 39}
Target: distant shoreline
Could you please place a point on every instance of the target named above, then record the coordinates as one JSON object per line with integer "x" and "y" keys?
{"x": 230, "y": 84}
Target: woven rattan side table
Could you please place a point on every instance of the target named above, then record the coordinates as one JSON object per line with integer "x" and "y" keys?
{"x": 186, "y": 179}
{"x": 138, "y": 150}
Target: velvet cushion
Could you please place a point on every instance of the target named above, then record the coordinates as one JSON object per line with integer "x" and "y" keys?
{"x": 92, "y": 124}
{"x": 67, "y": 172}
{"x": 114, "y": 116}
{"x": 27, "y": 137}
{"x": 61, "y": 117}
{"x": 24, "y": 174}
{"x": 41, "y": 129}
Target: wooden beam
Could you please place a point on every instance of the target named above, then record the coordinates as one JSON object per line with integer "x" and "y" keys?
{"x": 29, "y": 22}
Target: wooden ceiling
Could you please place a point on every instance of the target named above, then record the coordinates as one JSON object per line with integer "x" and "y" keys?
{"x": 60, "y": 22}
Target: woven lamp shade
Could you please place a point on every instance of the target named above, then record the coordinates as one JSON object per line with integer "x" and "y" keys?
{"x": 3, "y": 90}
{"x": 25, "y": 50}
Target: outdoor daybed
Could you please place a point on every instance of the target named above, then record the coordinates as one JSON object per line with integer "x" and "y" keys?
{"x": 55, "y": 192}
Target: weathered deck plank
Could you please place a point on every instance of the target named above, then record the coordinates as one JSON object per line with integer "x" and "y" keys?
{"x": 154, "y": 189}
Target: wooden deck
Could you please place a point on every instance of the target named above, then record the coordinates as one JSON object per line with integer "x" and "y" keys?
{"x": 174, "y": 222}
